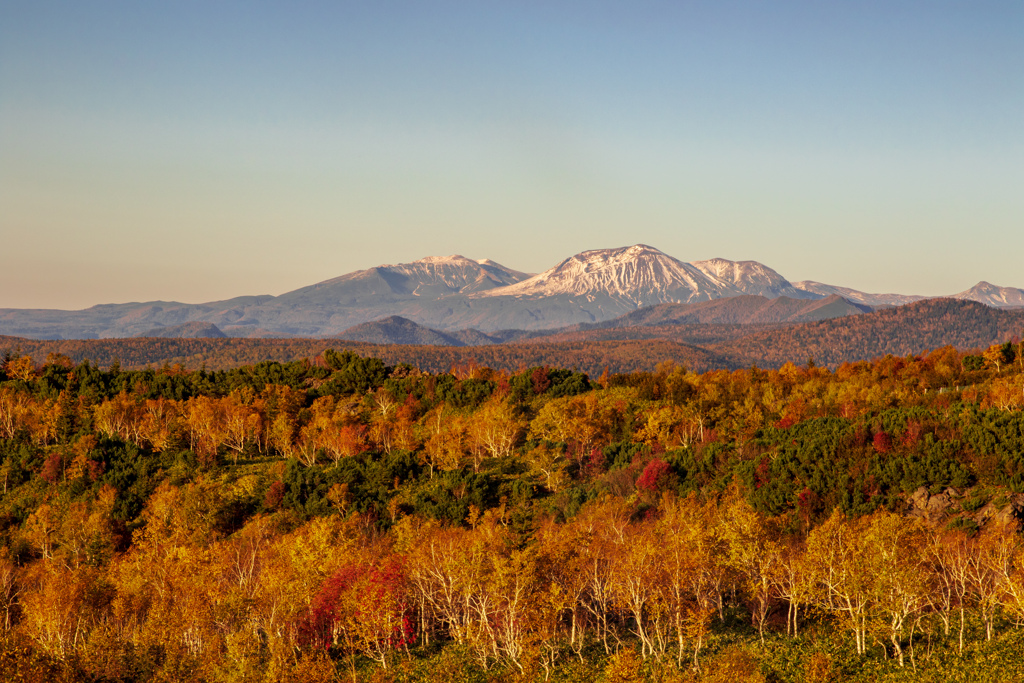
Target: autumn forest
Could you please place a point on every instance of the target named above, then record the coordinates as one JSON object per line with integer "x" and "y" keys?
{"x": 338, "y": 518}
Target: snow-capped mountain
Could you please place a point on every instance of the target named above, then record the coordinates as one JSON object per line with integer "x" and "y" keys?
{"x": 993, "y": 295}
{"x": 636, "y": 276}
{"x": 983, "y": 292}
{"x": 444, "y": 275}
{"x": 430, "y": 278}
{"x": 453, "y": 293}
{"x": 751, "y": 277}
{"x": 857, "y": 296}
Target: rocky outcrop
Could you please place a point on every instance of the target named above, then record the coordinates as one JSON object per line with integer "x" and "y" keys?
{"x": 941, "y": 507}
{"x": 932, "y": 508}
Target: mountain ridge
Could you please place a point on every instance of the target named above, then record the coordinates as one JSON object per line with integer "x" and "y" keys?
{"x": 452, "y": 293}
{"x": 922, "y": 326}
{"x": 993, "y": 295}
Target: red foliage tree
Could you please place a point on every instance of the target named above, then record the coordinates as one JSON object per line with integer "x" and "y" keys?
{"x": 541, "y": 380}
{"x": 274, "y": 496}
{"x": 807, "y": 504}
{"x": 882, "y": 442}
{"x": 53, "y": 468}
{"x": 361, "y": 608}
{"x": 656, "y": 476}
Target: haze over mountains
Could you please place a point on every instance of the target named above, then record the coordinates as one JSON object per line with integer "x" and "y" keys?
{"x": 455, "y": 294}
{"x": 739, "y": 311}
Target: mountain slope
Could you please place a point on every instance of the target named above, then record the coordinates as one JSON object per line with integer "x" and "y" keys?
{"x": 993, "y": 295}
{"x": 635, "y": 276}
{"x": 740, "y": 310}
{"x": 428, "y": 278}
{"x": 910, "y": 329}
{"x": 193, "y": 330}
{"x": 397, "y": 330}
{"x": 453, "y": 293}
{"x": 863, "y": 298}
{"x": 751, "y": 277}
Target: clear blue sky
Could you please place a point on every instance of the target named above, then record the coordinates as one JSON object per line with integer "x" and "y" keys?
{"x": 195, "y": 151}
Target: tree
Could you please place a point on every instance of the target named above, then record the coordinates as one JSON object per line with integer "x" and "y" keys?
{"x": 793, "y": 581}
{"x": 335, "y": 428}
{"x": 15, "y": 407}
{"x": 991, "y": 563}
{"x": 121, "y": 417}
{"x": 243, "y": 423}
{"x": 754, "y": 555}
{"x": 204, "y": 419}
{"x": 10, "y": 589}
{"x": 383, "y": 421}
{"x": 949, "y": 559}
{"x": 362, "y": 608}
{"x": 550, "y": 463}
{"x": 584, "y": 421}
{"x": 604, "y": 522}
{"x": 23, "y": 368}
{"x": 493, "y": 429}
{"x": 444, "y": 443}
{"x": 671, "y": 427}
{"x": 692, "y": 546}
{"x": 440, "y": 573}
{"x": 282, "y": 405}
{"x": 562, "y": 550}
{"x": 1000, "y": 355}
{"x": 637, "y": 575}
{"x": 160, "y": 428}
{"x": 893, "y": 548}
{"x": 842, "y": 574}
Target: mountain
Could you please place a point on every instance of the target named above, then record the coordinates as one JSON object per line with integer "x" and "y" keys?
{"x": 656, "y": 321}
{"x": 487, "y": 301}
{"x": 429, "y": 278}
{"x": 397, "y": 330}
{"x": 911, "y": 329}
{"x": 740, "y": 310}
{"x": 125, "y": 320}
{"x": 454, "y": 293}
{"x": 630, "y": 276}
{"x": 983, "y": 292}
{"x": 427, "y": 290}
{"x": 751, "y": 277}
{"x": 194, "y": 330}
{"x": 432, "y": 291}
{"x": 863, "y": 298}
{"x": 993, "y": 295}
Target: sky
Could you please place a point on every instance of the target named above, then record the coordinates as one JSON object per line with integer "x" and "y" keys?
{"x": 197, "y": 151}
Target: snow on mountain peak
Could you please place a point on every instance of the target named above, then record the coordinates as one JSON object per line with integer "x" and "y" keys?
{"x": 455, "y": 273}
{"x": 639, "y": 275}
{"x": 454, "y": 258}
{"x": 856, "y": 296}
{"x": 993, "y": 295}
{"x": 751, "y": 277}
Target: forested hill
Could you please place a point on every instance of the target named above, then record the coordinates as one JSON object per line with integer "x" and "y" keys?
{"x": 906, "y": 330}
{"x": 902, "y": 331}
{"x": 221, "y": 354}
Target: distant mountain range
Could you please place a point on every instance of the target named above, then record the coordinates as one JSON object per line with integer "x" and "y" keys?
{"x": 744, "y": 310}
{"x": 470, "y": 302}
{"x": 638, "y": 341}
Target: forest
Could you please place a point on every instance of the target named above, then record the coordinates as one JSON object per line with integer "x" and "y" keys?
{"x": 336, "y": 518}
{"x": 622, "y": 346}
{"x": 138, "y": 353}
